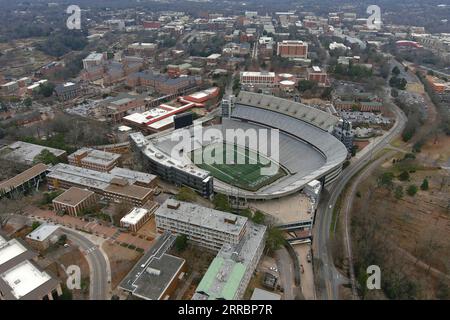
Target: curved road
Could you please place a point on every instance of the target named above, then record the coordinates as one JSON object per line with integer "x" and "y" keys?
{"x": 331, "y": 276}
{"x": 98, "y": 284}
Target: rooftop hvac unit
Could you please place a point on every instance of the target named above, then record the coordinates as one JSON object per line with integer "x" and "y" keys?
{"x": 153, "y": 271}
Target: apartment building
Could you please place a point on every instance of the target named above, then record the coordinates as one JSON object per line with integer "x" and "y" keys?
{"x": 292, "y": 49}
{"x": 205, "y": 227}
{"x": 94, "y": 159}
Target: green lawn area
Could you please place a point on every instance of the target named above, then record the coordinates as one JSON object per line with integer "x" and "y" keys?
{"x": 246, "y": 174}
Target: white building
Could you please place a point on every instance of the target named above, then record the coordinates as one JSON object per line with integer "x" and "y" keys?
{"x": 206, "y": 227}
{"x": 257, "y": 79}
{"x": 135, "y": 219}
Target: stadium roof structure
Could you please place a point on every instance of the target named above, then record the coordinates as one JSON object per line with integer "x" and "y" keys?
{"x": 307, "y": 149}
{"x": 316, "y": 117}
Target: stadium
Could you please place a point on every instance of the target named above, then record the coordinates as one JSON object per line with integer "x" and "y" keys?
{"x": 307, "y": 150}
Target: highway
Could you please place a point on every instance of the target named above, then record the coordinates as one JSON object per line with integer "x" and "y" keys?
{"x": 321, "y": 232}
{"x": 98, "y": 286}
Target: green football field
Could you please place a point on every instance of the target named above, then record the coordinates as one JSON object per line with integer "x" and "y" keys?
{"x": 245, "y": 175}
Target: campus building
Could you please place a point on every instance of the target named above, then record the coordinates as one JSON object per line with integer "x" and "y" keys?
{"x": 26, "y": 153}
{"x": 171, "y": 170}
{"x": 231, "y": 270}
{"x": 292, "y": 49}
{"x": 258, "y": 79}
{"x": 107, "y": 185}
{"x": 205, "y": 227}
{"x": 74, "y": 201}
{"x": 157, "y": 273}
{"x": 94, "y": 159}
{"x": 24, "y": 182}
{"x": 135, "y": 219}
{"x": 42, "y": 237}
{"x": 20, "y": 277}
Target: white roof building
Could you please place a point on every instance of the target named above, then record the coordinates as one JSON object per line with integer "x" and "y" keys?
{"x": 134, "y": 216}
{"x": 24, "y": 278}
{"x": 43, "y": 232}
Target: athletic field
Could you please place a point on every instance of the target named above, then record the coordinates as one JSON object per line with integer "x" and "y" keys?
{"x": 245, "y": 175}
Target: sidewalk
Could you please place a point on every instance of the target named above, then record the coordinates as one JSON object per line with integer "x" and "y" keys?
{"x": 94, "y": 228}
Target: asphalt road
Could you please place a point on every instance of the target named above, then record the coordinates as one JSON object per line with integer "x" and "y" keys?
{"x": 331, "y": 276}
{"x": 98, "y": 287}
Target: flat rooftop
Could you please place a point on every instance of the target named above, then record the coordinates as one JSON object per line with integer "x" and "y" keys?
{"x": 201, "y": 216}
{"x": 260, "y": 294}
{"x": 98, "y": 180}
{"x": 155, "y": 271}
{"x": 42, "y": 232}
{"x": 26, "y": 152}
{"x": 95, "y": 156}
{"x": 226, "y": 272}
{"x": 257, "y": 74}
{"x": 73, "y": 196}
{"x": 134, "y": 216}
{"x": 24, "y": 278}
{"x": 138, "y": 176}
{"x": 10, "y": 250}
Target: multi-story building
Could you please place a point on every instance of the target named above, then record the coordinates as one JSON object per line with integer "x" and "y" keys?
{"x": 69, "y": 90}
{"x": 20, "y": 277}
{"x": 205, "y": 227}
{"x": 163, "y": 83}
{"x": 258, "y": 79}
{"x": 171, "y": 170}
{"x": 135, "y": 219}
{"x": 93, "y": 60}
{"x": 292, "y": 49}
{"x": 94, "y": 159}
{"x": 318, "y": 75}
{"x": 157, "y": 274}
{"x": 176, "y": 70}
{"x": 231, "y": 270}
{"x": 74, "y": 201}
{"x": 108, "y": 186}
{"x": 115, "y": 108}
{"x": 266, "y": 46}
{"x": 142, "y": 49}
{"x": 343, "y": 131}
